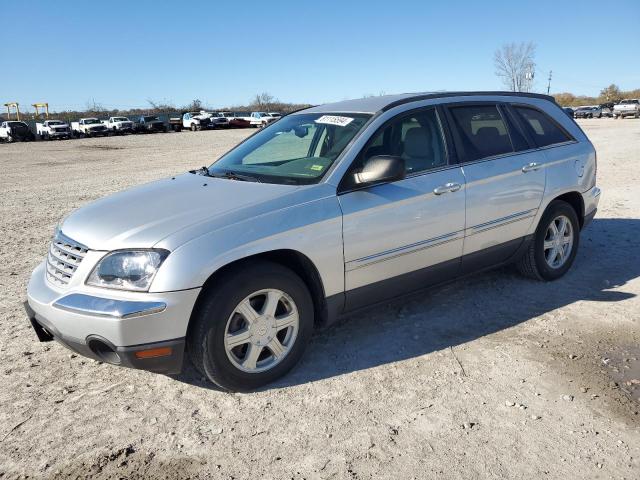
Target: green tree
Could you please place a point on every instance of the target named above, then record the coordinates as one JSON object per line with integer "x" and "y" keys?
{"x": 610, "y": 94}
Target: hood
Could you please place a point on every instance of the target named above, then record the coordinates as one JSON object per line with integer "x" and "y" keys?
{"x": 144, "y": 215}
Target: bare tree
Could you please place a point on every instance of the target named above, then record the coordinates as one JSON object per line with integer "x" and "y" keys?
{"x": 263, "y": 101}
{"x": 515, "y": 64}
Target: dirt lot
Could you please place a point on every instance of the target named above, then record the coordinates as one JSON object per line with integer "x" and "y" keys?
{"x": 494, "y": 376}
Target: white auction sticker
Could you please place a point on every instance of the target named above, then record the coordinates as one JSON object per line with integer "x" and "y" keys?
{"x": 335, "y": 120}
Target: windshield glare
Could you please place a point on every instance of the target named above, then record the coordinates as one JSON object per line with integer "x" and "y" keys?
{"x": 298, "y": 149}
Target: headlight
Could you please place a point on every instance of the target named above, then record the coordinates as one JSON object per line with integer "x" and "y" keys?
{"x": 127, "y": 269}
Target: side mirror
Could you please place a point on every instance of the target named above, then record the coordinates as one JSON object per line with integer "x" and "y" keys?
{"x": 381, "y": 168}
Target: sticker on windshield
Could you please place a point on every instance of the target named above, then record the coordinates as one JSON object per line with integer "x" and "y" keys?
{"x": 316, "y": 167}
{"x": 335, "y": 120}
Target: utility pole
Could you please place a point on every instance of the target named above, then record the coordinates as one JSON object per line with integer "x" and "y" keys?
{"x": 549, "y": 84}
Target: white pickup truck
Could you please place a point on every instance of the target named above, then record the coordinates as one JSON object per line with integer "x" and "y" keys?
{"x": 260, "y": 119}
{"x": 119, "y": 125}
{"x": 196, "y": 121}
{"x": 627, "y": 108}
{"x": 89, "y": 127}
{"x": 50, "y": 129}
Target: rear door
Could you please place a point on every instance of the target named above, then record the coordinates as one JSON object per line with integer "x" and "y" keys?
{"x": 403, "y": 235}
{"x": 504, "y": 180}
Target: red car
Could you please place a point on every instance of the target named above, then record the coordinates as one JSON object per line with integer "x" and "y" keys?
{"x": 235, "y": 120}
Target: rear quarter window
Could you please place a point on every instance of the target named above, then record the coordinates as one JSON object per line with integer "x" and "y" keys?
{"x": 541, "y": 127}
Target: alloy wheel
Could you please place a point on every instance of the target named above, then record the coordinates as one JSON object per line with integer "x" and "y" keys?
{"x": 261, "y": 330}
{"x": 558, "y": 241}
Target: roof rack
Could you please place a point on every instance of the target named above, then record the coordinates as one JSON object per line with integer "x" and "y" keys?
{"x": 427, "y": 96}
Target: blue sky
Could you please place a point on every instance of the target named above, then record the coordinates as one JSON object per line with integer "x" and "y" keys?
{"x": 121, "y": 53}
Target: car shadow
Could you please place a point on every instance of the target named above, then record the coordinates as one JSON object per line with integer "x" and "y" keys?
{"x": 466, "y": 309}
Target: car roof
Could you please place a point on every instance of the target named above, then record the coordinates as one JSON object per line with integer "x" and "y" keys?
{"x": 386, "y": 102}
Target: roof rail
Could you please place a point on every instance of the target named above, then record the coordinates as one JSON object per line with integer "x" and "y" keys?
{"x": 428, "y": 96}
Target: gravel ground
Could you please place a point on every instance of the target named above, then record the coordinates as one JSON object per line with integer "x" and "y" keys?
{"x": 493, "y": 376}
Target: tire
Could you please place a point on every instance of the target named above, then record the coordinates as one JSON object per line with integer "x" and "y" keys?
{"x": 534, "y": 263}
{"x": 193, "y": 127}
{"x": 216, "y": 314}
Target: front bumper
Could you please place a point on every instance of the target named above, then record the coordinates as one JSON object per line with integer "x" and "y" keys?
{"x": 137, "y": 330}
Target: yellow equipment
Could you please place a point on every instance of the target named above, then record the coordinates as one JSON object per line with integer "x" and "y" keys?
{"x": 42, "y": 105}
{"x": 11, "y": 105}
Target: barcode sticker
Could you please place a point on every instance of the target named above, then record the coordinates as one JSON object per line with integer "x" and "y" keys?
{"x": 335, "y": 120}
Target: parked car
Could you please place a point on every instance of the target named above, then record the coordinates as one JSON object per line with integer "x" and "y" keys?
{"x": 196, "y": 121}
{"x": 328, "y": 210}
{"x": 53, "y": 129}
{"x": 175, "y": 121}
{"x": 119, "y": 125}
{"x": 89, "y": 127}
{"x": 236, "y": 120}
{"x": 588, "y": 112}
{"x": 569, "y": 111}
{"x": 218, "y": 120}
{"x": 261, "y": 119}
{"x": 15, "y": 131}
{"x": 627, "y": 108}
{"x": 149, "y": 124}
{"x": 607, "y": 109}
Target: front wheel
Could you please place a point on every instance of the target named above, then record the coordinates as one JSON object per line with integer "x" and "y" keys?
{"x": 555, "y": 244}
{"x": 251, "y": 327}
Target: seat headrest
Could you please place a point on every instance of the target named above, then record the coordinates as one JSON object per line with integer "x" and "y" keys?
{"x": 488, "y": 133}
{"x": 417, "y": 142}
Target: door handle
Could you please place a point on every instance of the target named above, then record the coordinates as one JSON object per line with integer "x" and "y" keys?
{"x": 447, "y": 188}
{"x": 531, "y": 167}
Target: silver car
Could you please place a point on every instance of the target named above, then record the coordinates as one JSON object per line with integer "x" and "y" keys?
{"x": 330, "y": 209}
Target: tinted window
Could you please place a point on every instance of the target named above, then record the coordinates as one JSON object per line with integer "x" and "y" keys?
{"x": 482, "y": 131}
{"x": 543, "y": 130}
{"x": 417, "y": 138}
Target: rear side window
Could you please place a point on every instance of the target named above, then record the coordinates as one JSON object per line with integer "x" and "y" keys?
{"x": 543, "y": 130}
{"x": 482, "y": 130}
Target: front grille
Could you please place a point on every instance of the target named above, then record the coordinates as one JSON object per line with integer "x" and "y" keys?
{"x": 63, "y": 259}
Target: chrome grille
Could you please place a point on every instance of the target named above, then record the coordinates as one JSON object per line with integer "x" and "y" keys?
{"x": 63, "y": 259}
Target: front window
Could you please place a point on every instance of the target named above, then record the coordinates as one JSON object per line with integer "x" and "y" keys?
{"x": 120, "y": 119}
{"x": 91, "y": 121}
{"x": 150, "y": 119}
{"x": 298, "y": 149}
{"x": 55, "y": 122}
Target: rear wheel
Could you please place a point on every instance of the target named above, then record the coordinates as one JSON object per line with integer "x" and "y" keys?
{"x": 252, "y": 327}
{"x": 555, "y": 244}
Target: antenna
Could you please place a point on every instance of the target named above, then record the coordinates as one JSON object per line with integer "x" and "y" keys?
{"x": 549, "y": 84}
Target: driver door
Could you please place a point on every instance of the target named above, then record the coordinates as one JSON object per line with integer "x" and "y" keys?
{"x": 404, "y": 235}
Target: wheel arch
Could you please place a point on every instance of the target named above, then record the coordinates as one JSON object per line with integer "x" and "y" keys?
{"x": 576, "y": 201}
{"x": 294, "y": 260}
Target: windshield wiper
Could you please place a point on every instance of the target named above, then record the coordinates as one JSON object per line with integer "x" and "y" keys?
{"x": 235, "y": 176}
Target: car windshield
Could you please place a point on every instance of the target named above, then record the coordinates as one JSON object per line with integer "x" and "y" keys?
{"x": 628, "y": 102}
{"x": 150, "y": 119}
{"x": 91, "y": 121}
{"x": 120, "y": 119}
{"x": 298, "y": 149}
{"x": 55, "y": 122}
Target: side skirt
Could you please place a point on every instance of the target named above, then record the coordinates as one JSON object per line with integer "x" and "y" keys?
{"x": 412, "y": 283}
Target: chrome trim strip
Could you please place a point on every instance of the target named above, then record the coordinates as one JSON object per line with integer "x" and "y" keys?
{"x": 106, "y": 307}
{"x": 503, "y": 221}
{"x": 404, "y": 250}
